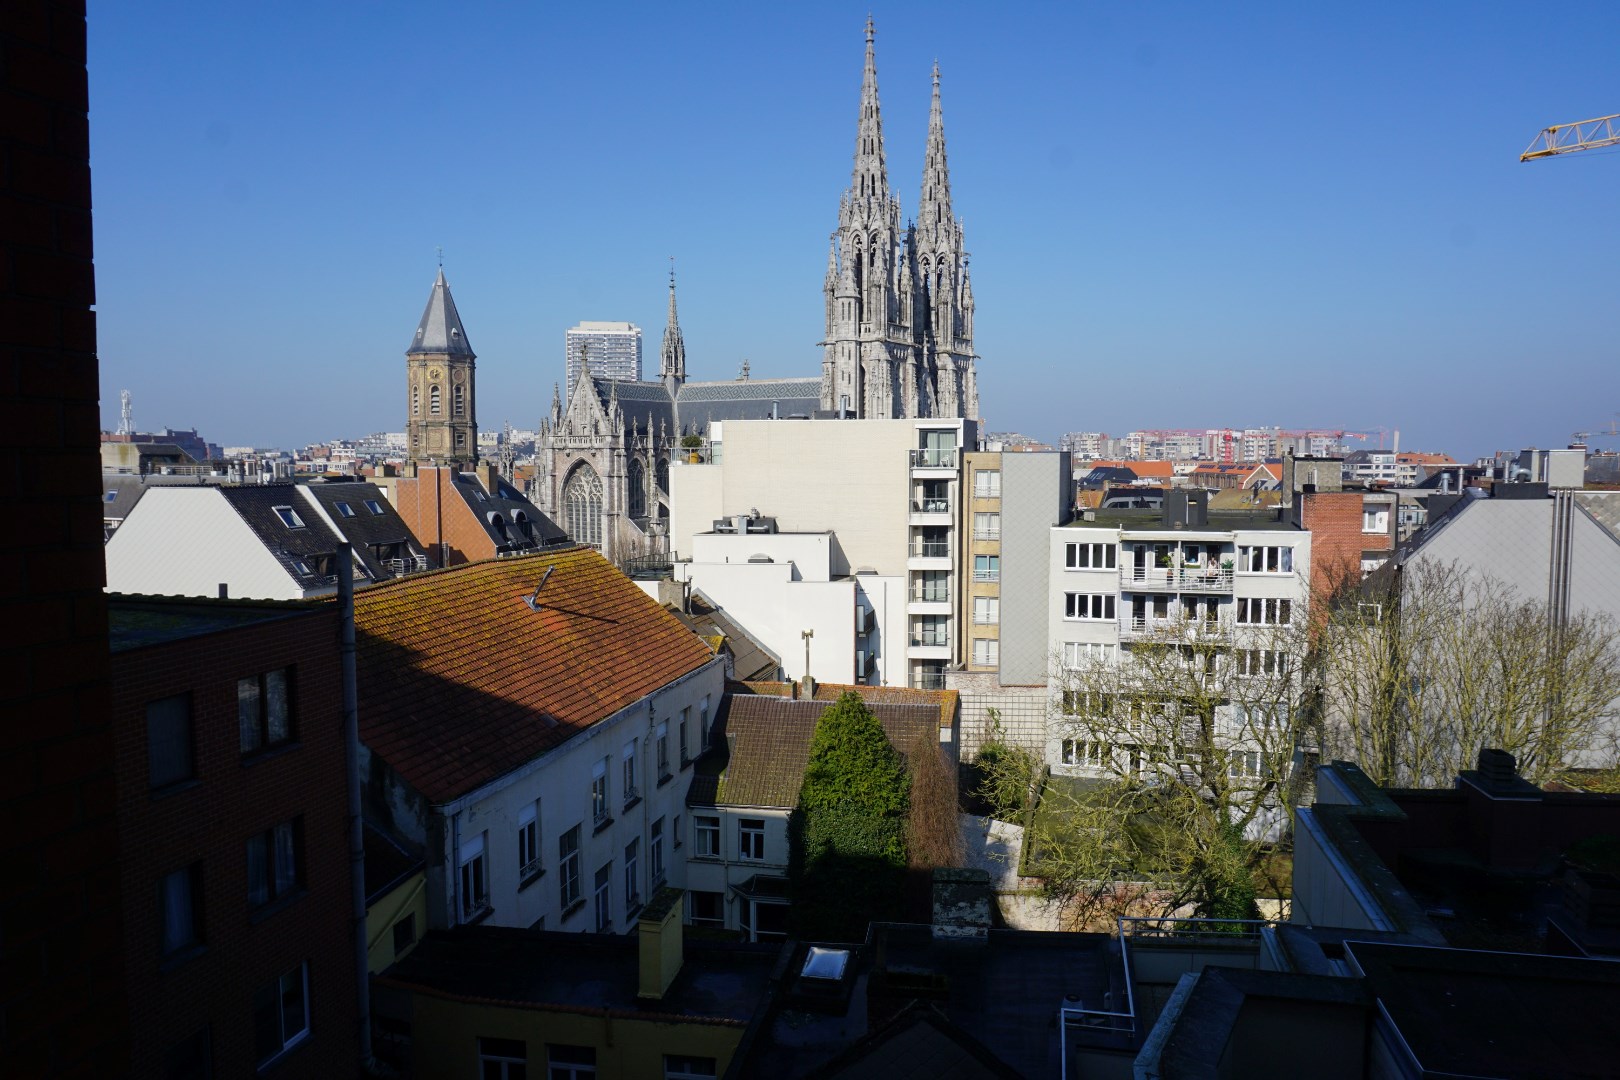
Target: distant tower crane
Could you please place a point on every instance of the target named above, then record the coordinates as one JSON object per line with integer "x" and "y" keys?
{"x": 1568, "y": 138}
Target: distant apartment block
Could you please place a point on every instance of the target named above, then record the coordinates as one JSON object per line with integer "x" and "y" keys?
{"x": 613, "y": 350}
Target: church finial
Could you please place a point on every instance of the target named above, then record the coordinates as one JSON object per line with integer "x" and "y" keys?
{"x": 871, "y": 176}
{"x": 743, "y": 375}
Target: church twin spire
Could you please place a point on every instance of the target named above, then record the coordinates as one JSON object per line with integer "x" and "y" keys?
{"x": 672, "y": 354}
{"x": 898, "y": 305}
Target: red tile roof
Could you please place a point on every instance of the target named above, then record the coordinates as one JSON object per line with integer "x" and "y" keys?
{"x": 461, "y": 682}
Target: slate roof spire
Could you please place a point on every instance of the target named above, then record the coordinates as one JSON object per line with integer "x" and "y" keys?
{"x": 440, "y": 332}
{"x": 871, "y": 177}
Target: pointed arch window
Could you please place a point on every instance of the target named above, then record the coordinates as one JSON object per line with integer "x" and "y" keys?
{"x": 636, "y": 478}
{"x": 582, "y": 503}
{"x": 663, "y": 475}
{"x": 433, "y": 401}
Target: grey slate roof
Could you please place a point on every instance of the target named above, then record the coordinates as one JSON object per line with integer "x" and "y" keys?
{"x": 746, "y": 399}
{"x": 1603, "y": 507}
{"x": 366, "y": 529}
{"x": 440, "y": 331}
{"x": 290, "y": 546}
{"x": 513, "y": 510}
{"x": 645, "y": 404}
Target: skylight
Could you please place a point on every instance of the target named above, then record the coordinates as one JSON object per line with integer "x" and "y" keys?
{"x": 289, "y": 517}
{"x": 822, "y": 963}
{"x": 374, "y": 506}
{"x": 345, "y": 509}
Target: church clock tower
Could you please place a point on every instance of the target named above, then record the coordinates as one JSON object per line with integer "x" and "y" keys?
{"x": 441, "y": 418}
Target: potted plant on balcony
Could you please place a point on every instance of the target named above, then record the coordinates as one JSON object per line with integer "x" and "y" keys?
{"x": 693, "y": 444}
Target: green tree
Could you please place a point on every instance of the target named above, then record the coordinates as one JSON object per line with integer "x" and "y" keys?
{"x": 849, "y": 830}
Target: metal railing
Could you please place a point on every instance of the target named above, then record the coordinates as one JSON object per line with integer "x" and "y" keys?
{"x": 1177, "y": 578}
{"x": 928, "y": 680}
{"x": 934, "y": 457}
{"x": 931, "y": 549}
{"x": 931, "y": 639}
{"x": 931, "y": 506}
{"x": 987, "y": 534}
{"x": 987, "y": 575}
{"x": 926, "y": 595}
{"x": 409, "y": 565}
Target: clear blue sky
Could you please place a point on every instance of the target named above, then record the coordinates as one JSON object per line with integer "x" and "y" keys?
{"x": 1179, "y": 214}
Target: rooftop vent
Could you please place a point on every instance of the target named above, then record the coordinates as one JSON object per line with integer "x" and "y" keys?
{"x": 533, "y": 599}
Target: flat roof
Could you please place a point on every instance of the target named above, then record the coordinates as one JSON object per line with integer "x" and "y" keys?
{"x": 134, "y": 621}
{"x": 1153, "y": 520}
{"x": 593, "y": 973}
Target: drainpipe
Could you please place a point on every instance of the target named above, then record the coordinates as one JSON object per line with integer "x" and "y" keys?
{"x": 357, "y": 842}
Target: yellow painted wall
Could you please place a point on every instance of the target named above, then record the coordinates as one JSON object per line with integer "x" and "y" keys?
{"x": 409, "y": 897}
{"x": 445, "y": 1034}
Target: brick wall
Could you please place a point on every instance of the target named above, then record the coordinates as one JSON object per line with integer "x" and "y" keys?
{"x": 232, "y": 799}
{"x": 61, "y": 997}
{"x": 1334, "y": 521}
{"x": 439, "y": 517}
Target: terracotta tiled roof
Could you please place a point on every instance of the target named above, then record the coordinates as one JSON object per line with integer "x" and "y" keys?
{"x": 766, "y": 746}
{"x": 460, "y": 681}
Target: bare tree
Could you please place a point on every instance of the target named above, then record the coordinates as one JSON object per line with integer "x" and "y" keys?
{"x": 1184, "y": 749}
{"x": 1421, "y": 674}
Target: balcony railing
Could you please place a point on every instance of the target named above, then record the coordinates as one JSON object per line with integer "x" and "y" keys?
{"x": 410, "y": 565}
{"x": 931, "y": 506}
{"x": 987, "y": 534}
{"x": 928, "y": 680}
{"x": 934, "y": 457}
{"x": 927, "y": 594}
{"x": 931, "y": 639}
{"x": 1202, "y": 579}
{"x": 931, "y": 549}
{"x": 987, "y": 575}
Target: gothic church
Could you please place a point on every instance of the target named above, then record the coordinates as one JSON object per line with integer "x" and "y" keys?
{"x": 899, "y": 343}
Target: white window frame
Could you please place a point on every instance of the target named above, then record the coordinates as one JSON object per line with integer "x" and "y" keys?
{"x": 986, "y": 610}
{"x": 528, "y": 830}
{"x": 687, "y": 1067}
{"x": 986, "y": 525}
{"x": 987, "y": 651}
{"x": 599, "y": 792}
{"x": 1090, "y": 607}
{"x": 300, "y": 977}
{"x": 602, "y": 898}
{"x": 632, "y": 875}
{"x": 491, "y": 1055}
{"x": 751, "y": 839}
{"x": 706, "y": 836}
{"x": 987, "y": 483}
{"x": 1265, "y": 559}
{"x": 557, "y": 1069}
{"x": 663, "y": 750}
{"x": 568, "y": 867}
{"x": 628, "y": 759}
{"x": 1082, "y": 753}
{"x": 1080, "y": 654}
{"x": 655, "y": 854}
{"x": 1264, "y": 610}
{"x": 991, "y": 568}
{"x": 1089, "y": 555}
{"x": 472, "y": 876}
{"x": 289, "y": 517}
{"x": 1375, "y": 520}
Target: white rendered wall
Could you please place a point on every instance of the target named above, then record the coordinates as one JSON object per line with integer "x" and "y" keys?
{"x": 187, "y": 541}
{"x": 766, "y": 601}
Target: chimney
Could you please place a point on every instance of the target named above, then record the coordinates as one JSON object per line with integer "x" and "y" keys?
{"x": 489, "y": 476}
{"x": 658, "y": 936}
{"x": 962, "y": 900}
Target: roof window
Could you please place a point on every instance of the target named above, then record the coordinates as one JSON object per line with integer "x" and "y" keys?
{"x": 302, "y": 567}
{"x": 289, "y": 517}
{"x": 374, "y": 506}
{"x": 345, "y": 509}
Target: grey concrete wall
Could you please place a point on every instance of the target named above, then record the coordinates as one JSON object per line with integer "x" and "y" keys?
{"x": 1036, "y": 493}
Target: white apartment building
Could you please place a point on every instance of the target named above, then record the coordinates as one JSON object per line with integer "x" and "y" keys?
{"x": 1121, "y": 576}
{"x": 887, "y": 493}
{"x": 613, "y": 350}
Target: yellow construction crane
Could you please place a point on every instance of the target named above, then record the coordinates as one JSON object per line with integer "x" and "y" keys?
{"x": 1581, "y": 135}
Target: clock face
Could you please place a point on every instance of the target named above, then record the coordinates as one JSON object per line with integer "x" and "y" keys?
{"x": 434, "y": 373}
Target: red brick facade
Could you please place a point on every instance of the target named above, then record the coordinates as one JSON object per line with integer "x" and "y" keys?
{"x": 61, "y": 995}
{"x": 210, "y": 821}
{"x": 1334, "y": 519}
{"x": 439, "y": 517}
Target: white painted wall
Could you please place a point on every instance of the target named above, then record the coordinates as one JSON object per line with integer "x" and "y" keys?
{"x": 718, "y": 874}
{"x": 810, "y": 554}
{"x": 186, "y": 541}
{"x": 766, "y": 601}
{"x": 561, "y": 781}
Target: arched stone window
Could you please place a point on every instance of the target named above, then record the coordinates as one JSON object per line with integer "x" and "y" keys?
{"x": 416, "y": 401}
{"x": 636, "y": 480}
{"x": 663, "y": 474}
{"x": 433, "y": 400}
{"x": 459, "y": 400}
{"x": 582, "y": 505}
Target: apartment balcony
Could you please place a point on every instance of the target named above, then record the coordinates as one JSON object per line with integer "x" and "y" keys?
{"x": 1187, "y": 579}
{"x": 928, "y": 680}
{"x": 937, "y": 462}
{"x": 1131, "y": 626}
{"x": 931, "y": 512}
{"x": 930, "y": 645}
{"x": 928, "y": 600}
{"x": 929, "y": 555}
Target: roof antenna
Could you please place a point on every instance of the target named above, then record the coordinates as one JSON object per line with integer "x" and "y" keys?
{"x": 533, "y": 600}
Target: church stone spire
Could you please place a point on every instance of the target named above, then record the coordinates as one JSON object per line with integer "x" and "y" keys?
{"x": 441, "y": 422}
{"x": 672, "y": 354}
{"x": 871, "y": 176}
{"x": 935, "y": 207}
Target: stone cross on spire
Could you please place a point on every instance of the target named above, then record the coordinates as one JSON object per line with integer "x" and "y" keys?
{"x": 871, "y": 176}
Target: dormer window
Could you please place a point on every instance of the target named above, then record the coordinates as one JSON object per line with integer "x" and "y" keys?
{"x": 345, "y": 509}
{"x": 374, "y": 506}
{"x": 289, "y": 517}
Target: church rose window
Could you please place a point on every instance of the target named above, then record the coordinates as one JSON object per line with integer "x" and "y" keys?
{"x": 582, "y": 502}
